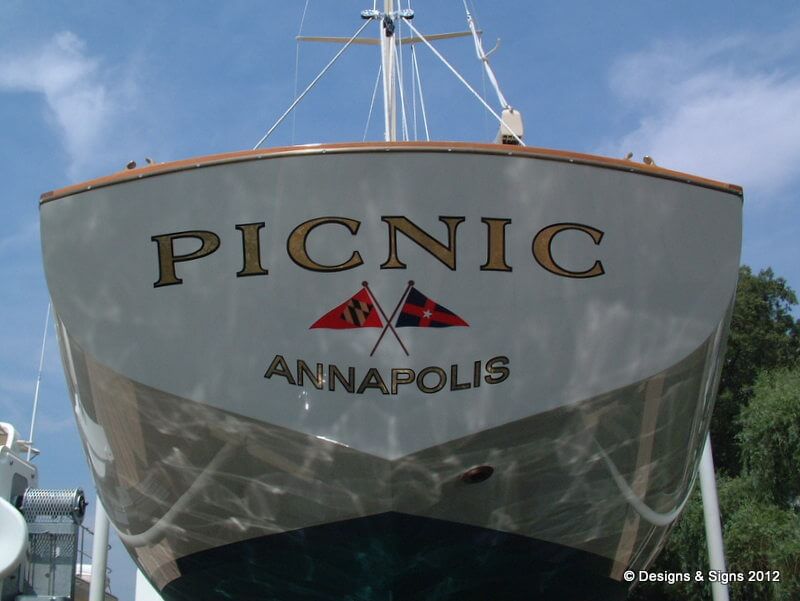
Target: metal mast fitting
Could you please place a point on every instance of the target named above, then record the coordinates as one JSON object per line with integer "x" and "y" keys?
{"x": 388, "y": 58}
{"x": 511, "y": 128}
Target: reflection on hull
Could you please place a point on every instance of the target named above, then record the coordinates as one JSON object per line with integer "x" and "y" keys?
{"x": 206, "y": 307}
{"x": 188, "y": 484}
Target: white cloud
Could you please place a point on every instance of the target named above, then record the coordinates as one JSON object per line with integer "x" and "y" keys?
{"x": 726, "y": 108}
{"x": 81, "y": 102}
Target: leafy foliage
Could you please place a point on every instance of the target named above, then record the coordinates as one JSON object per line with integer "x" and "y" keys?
{"x": 763, "y": 336}
{"x": 770, "y": 436}
{"x": 762, "y": 536}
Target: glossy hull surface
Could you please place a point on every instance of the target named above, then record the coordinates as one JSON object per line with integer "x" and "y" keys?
{"x": 247, "y": 442}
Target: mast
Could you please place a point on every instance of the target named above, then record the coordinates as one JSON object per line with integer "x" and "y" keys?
{"x": 388, "y": 60}
{"x": 389, "y": 43}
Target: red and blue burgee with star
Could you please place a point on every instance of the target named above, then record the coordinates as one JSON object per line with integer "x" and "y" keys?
{"x": 358, "y": 311}
{"x": 421, "y": 312}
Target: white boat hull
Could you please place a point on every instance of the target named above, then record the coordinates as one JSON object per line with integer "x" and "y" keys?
{"x": 222, "y": 420}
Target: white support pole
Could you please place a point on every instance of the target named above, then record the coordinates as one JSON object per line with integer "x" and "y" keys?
{"x": 716, "y": 550}
{"x": 97, "y": 587}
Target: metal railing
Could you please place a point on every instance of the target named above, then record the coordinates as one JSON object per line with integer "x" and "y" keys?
{"x": 85, "y": 558}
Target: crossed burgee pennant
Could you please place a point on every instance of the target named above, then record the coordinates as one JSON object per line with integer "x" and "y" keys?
{"x": 416, "y": 311}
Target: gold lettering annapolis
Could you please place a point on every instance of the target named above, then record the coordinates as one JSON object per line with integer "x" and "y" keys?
{"x": 251, "y": 249}
{"x": 298, "y": 252}
{"x": 317, "y": 378}
{"x": 373, "y": 379}
{"x": 497, "y": 374}
{"x": 454, "y": 383}
{"x": 444, "y": 253}
{"x": 542, "y": 250}
{"x": 401, "y": 375}
{"x": 429, "y": 380}
{"x": 438, "y": 372}
{"x": 496, "y": 244}
{"x": 279, "y": 367}
{"x": 209, "y": 242}
{"x": 334, "y": 374}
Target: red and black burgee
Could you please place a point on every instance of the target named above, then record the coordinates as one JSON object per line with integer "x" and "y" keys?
{"x": 419, "y": 311}
{"x": 356, "y": 312}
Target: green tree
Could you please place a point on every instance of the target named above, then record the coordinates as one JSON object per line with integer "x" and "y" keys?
{"x": 760, "y": 536}
{"x": 770, "y": 436}
{"x": 763, "y": 336}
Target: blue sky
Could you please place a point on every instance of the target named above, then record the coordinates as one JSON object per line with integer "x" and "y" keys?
{"x": 711, "y": 88}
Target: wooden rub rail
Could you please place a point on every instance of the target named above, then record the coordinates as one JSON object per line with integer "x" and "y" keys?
{"x": 457, "y": 147}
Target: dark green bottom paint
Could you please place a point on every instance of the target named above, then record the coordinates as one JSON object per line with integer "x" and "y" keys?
{"x": 394, "y": 557}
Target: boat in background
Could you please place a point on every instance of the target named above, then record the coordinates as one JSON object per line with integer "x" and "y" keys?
{"x": 393, "y": 370}
{"x": 42, "y": 539}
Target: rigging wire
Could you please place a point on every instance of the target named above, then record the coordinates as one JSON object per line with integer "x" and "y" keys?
{"x": 311, "y": 85}
{"x": 455, "y": 72}
{"x": 414, "y": 99}
{"x": 297, "y": 62}
{"x": 486, "y": 131}
{"x": 416, "y": 84}
{"x": 403, "y": 112}
{"x": 413, "y": 88}
{"x": 484, "y": 57}
{"x": 38, "y": 380}
{"x": 401, "y": 78}
{"x": 372, "y": 102}
{"x": 421, "y": 95}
